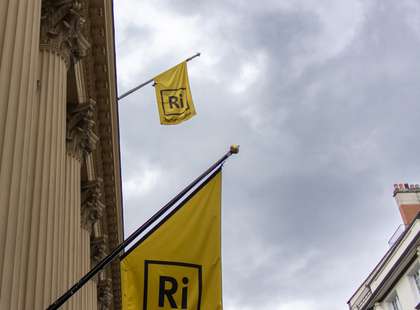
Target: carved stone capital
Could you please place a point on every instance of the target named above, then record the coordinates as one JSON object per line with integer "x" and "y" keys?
{"x": 98, "y": 249}
{"x": 81, "y": 138}
{"x": 61, "y": 29}
{"x": 92, "y": 206}
{"x": 104, "y": 294}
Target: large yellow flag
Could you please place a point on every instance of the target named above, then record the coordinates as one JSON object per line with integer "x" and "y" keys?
{"x": 177, "y": 265}
{"x": 173, "y": 95}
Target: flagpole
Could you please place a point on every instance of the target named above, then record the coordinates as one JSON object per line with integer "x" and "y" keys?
{"x": 234, "y": 149}
{"x": 149, "y": 81}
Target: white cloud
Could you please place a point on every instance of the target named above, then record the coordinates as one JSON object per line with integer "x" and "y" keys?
{"x": 340, "y": 22}
{"x": 169, "y": 35}
{"x": 249, "y": 73}
{"x": 142, "y": 182}
{"x": 298, "y": 128}
{"x": 413, "y": 14}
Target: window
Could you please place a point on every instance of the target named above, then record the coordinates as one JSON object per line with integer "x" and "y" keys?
{"x": 395, "y": 303}
{"x": 416, "y": 277}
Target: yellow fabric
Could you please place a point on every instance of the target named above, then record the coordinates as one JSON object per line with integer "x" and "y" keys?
{"x": 173, "y": 95}
{"x": 189, "y": 241}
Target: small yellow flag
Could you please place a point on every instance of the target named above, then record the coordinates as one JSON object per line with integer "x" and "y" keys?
{"x": 173, "y": 95}
{"x": 177, "y": 265}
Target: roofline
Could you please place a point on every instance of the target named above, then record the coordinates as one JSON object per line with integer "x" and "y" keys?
{"x": 387, "y": 254}
{"x": 393, "y": 269}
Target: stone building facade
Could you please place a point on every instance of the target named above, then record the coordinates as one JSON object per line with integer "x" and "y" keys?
{"x": 60, "y": 183}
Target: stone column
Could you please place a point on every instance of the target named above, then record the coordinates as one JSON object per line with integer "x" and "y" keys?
{"x": 19, "y": 42}
{"x": 72, "y": 238}
{"x": 50, "y": 234}
{"x": 47, "y": 162}
{"x": 87, "y": 209}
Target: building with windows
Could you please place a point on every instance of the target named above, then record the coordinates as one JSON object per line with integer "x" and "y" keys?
{"x": 60, "y": 184}
{"x": 394, "y": 284}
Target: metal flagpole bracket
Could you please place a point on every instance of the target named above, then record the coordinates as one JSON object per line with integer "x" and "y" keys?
{"x": 149, "y": 81}
{"x": 192, "y": 57}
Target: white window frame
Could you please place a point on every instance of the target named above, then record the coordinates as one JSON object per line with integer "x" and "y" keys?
{"x": 416, "y": 280}
{"x": 394, "y": 302}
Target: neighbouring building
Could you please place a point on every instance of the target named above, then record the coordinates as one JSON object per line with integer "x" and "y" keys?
{"x": 394, "y": 284}
{"x": 60, "y": 183}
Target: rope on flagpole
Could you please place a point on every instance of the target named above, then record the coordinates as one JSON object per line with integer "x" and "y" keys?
{"x": 149, "y": 81}
{"x": 234, "y": 149}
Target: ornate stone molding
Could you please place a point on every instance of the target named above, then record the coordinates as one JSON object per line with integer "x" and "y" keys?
{"x": 98, "y": 249}
{"x": 81, "y": 139}
{"x": 61, "y": 29}
{"x": 104, "y": 294}
{"x": 92, "y": 206}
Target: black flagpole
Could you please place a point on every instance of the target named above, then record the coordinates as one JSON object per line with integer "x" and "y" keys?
{"x": 234, "y": 149}
{"x": 149, "y": 81}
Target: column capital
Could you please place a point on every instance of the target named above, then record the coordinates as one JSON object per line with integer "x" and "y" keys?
{"x": 98, "y": 249}
{"x": 61, "y": 29}
{"x": 91, "y": 204}
{"x": 81, "y": 139}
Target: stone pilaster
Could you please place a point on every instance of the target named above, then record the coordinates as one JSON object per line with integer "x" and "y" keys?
{"x": 104, "y": 293}
{"x": 98, "y": 248}
{"x": 19, "y": 40}
{"x": 81, "y": 139}
{"x": 92, "y": 206}
{"x": 78, "y": 252}
{"x": 80, "y": 142}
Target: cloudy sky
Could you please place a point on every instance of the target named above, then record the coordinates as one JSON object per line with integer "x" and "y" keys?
{"x": 322, "y": 96}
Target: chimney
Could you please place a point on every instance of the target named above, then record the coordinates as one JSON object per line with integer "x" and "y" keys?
{"x": 407, "y": 197}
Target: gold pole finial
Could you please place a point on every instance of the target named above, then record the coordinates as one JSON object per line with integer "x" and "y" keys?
{"x": 234, "y": 148}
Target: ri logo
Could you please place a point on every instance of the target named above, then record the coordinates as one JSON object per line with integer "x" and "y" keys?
{"x": 172, "y": 285}
{"x": 174, "y": 101}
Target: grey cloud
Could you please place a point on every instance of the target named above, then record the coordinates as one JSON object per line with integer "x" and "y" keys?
{"x": 307, "y": 203}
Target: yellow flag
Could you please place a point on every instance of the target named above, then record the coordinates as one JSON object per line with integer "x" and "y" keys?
{"x": 177, "y": 265}
{"x": 173, "y": 95}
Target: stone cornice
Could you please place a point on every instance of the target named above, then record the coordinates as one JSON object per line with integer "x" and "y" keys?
{"x": 108, "y": 152}
{"x": 61, "y": 29}
{"x": 101, "y": 85}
